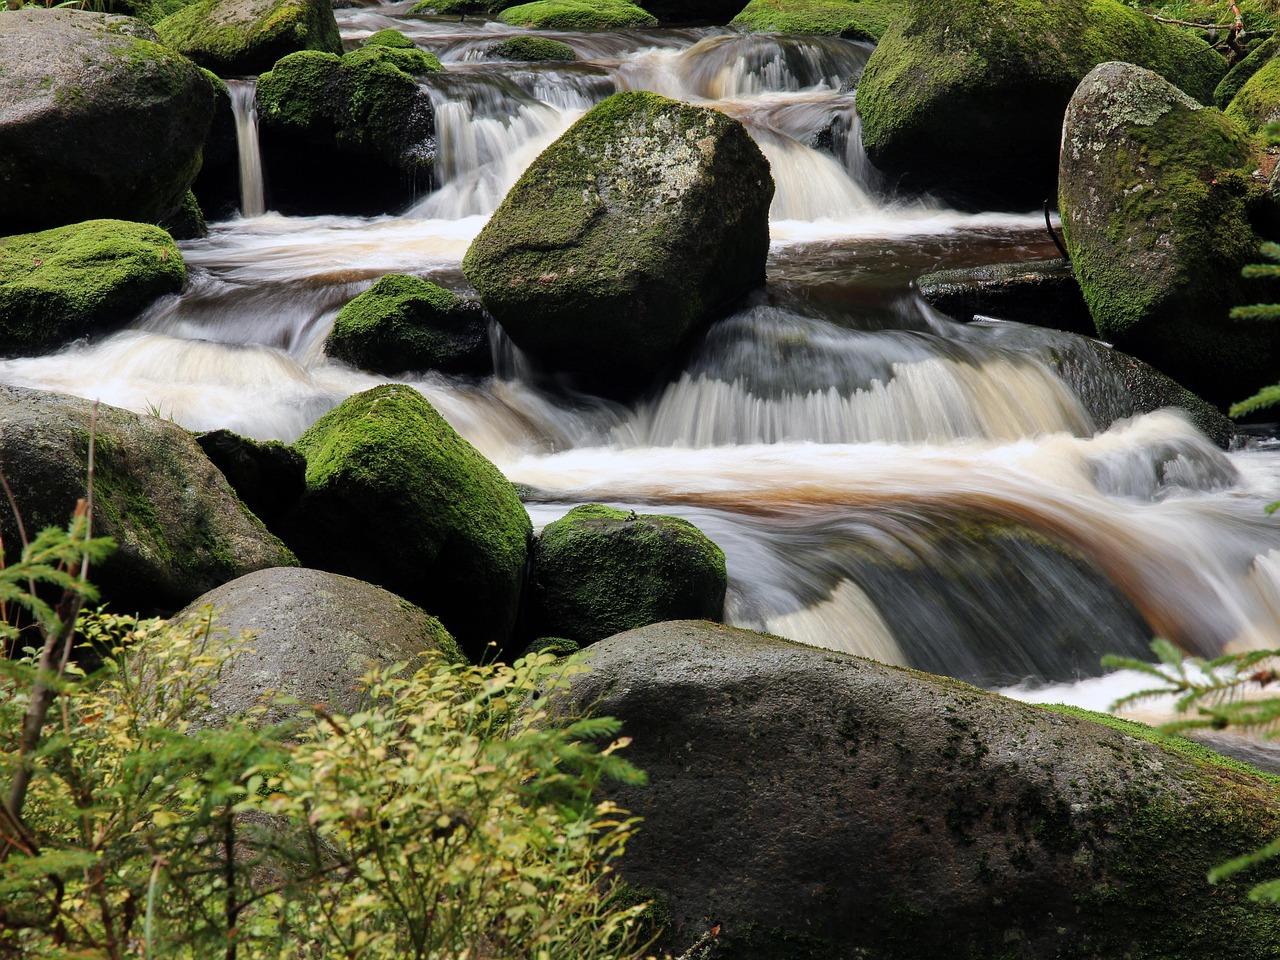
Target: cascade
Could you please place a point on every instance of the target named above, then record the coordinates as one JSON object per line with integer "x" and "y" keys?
{"x": 882, "y": 480}
{"x": 244, "y": 108}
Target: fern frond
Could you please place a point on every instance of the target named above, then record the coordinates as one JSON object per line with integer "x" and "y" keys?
{"x": 1266, "y": 397}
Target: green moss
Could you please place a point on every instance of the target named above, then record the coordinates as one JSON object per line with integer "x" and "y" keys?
{"x": 410, "y": 61}
{"x": 578, "y": 15}
{"x": 1258, "y": 100}
{"x": 456, "y": 7}
{"x": 853, "y": 19}
{"x": 62, "y": 283}
{"x": 248, "y": 36}
{"x": 531, "y": 50}
{"x": 389, "y": 38}
{"x": 1239, "y": 75}
{"x": 303, "y": 90}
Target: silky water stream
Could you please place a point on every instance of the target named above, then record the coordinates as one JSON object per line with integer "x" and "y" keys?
{"x": 883, "y": 481}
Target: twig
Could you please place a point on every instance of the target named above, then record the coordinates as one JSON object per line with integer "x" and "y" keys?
{"x": 1048, "y": 225}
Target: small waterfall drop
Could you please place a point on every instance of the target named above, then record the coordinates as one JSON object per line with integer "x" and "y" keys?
{"x": 244, "y": 107}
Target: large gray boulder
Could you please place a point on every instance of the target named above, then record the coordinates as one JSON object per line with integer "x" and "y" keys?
{"x": 965, "y": 97}
{"x": 179, "y": 528}
{"x": 315, "y": 635}
{"x": 97, "y": 120}
{"x": 820, "y": 805}
{"x": 395, "y": 497}
{"x": 624, "y": 237}
{"x": 1157, "y": 210}
{"x": 237, "y": 37}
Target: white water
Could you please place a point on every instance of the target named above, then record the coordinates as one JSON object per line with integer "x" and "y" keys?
{"x": 838, "y": 445}
{"x": 244, "y": 107}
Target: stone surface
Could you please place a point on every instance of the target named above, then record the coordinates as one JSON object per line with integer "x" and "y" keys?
{"x": 395, "y": 497}
{"x": 74, "y": 82}
{"x": 267, "y": 475}
{"x": 238, "y": 37}
{"x": 965, "y": 97}
{"x": 63, "y": 283}
{"x": 180, "y": 530}
{"x": 1157, "y": 210}
{"x": 1040, "y": 292}
{"x": 624, "y": 237}
{"x": 819, "y": 805}
{"x": 315, "y": 635}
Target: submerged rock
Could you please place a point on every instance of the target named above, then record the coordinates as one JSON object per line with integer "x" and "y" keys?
{"x": 1157, "y": 208}
{"x": 598, "y": 571}
{"x": 353, "y": 134}
{"x": 816, "y": 804}
{"x": 314, "y": 637}
{"x": 238, "y": 37}
{"x": 179, "y": 529}
{"x": 395, "y": 497}
{"x": 406, "y": 323}
{"x": 1040, "y": 292}
{"x": 624, "y": 237}
{"x": 578, "y": 15}
{"x": 97, "y": 120}
{"x": 60, "y": 284}
{"x": 983, "y": 84}
{"x": 853, "y": 19}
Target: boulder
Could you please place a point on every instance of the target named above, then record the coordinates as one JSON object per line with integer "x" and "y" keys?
{"x": 1044, "y": 293}
{"x": 395, "y": 497}
{"x": 625, "y": 237}
{"x": 964, "y": 98}
{"x": 814, "y": 804}
{"x": 598, "y": 571}
{"x": 314, "y": 636}
{"x": 217, "y": 186}
{"x": 60, "y": 284}
{"x": 239, "y": 37}
{"x": 352, "y": 134}
{"x": 268, "y": 476}
{"x": 1257, "y": 102}
{"x": 578, "y": 15}
{"x": 1157, "y": 201}
{"x": 1239, "y": 75}
{"x": 97, "y": 120}
{"x": 853, "y": 19}
{"x": 179, "y": 529}
{"x": 406, "y": 323}
{"x": 527, "y": 49}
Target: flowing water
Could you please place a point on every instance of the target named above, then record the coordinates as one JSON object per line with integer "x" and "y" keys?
{"x": 244, "y": 108}
{"x": 883, "y": 480}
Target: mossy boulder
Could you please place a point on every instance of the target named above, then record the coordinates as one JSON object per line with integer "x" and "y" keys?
{"x": 578, "y": 15}
{"x": 964, "y": 98}
{"x": 1240, "y": 74}
{"x": 97, "y": 120}
{"x": 527, "y": 49}
{"x": 1041, "y": 292}
{"x": 1156, "y": 203}
{"x": 852, "y": 19}
{"x": 60, "y": 284}
{"x": 268, "y": 476}
{"x": 447, "y": 8}
{"x": 237, "y": 37}
{"x": 1257, "y": 102}
{"x": 314, "y": 636}
{"x": 814, "y": 804}
{"x": 624, "y": 237}
{"x": 598, "y": 571}
{"x": 352, "y": 134}
{"x": 180, "y": 530}
{"x": 406, "y": 323}
{"x": 395, "y": 497}
{"x": 389, "y": 38}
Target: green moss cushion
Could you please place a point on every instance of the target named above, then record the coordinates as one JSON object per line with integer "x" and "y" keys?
{"x": 531, "y": 50}
{"x": 233, "y": 37}
{"x": 854, "y": 19}
{"x": 60, "y": 284}
{"x": 1258, "y": 101}
{"x": 578, "y": 15}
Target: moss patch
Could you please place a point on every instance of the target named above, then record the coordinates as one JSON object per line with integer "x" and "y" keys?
{"x": 578, "y": 15}
{"x": 1258, "y": 101}
{"x": 531, "y": 50}
{"x": 853, "y": 19}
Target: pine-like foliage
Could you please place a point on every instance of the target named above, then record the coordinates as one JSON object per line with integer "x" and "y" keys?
{"x": 1267, "y": 396}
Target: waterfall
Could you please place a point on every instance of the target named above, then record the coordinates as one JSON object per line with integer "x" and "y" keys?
{"x": 244, "y": 107}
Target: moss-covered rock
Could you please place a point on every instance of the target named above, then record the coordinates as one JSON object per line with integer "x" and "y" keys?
{"x": 389, "y": 38}
{"x": 965, "y": 97}
{"x": 236, "y": 37}
{"x": 1156, "y": 202}
{"x": 598, "y": 571}
{"x": 1239, "y": 75}
{"x": 447, "y": 8}
{"x": 97, "y": 120}
{"x": 528, "y": 49}
{"x": 60, "y": 284}
{"x": 179, "y": 528}
{"x": 268, "y": 476}
{"x": 187, "y": 223}
{"x": 406, "y": 323}
{"x": 314, "y": 636}
{"x": 352, "y": 134}
{"x": 815, "y": 804}
{"x": 853, "y": 19}
{"x": 578, "y": 15}
{"x": 624, "y": 237}
{"x": 395, "y": 497}
{"x": 1257, "y": 102}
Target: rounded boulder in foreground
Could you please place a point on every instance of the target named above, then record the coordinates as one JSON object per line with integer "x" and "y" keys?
{"x": 624, "y": 237}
